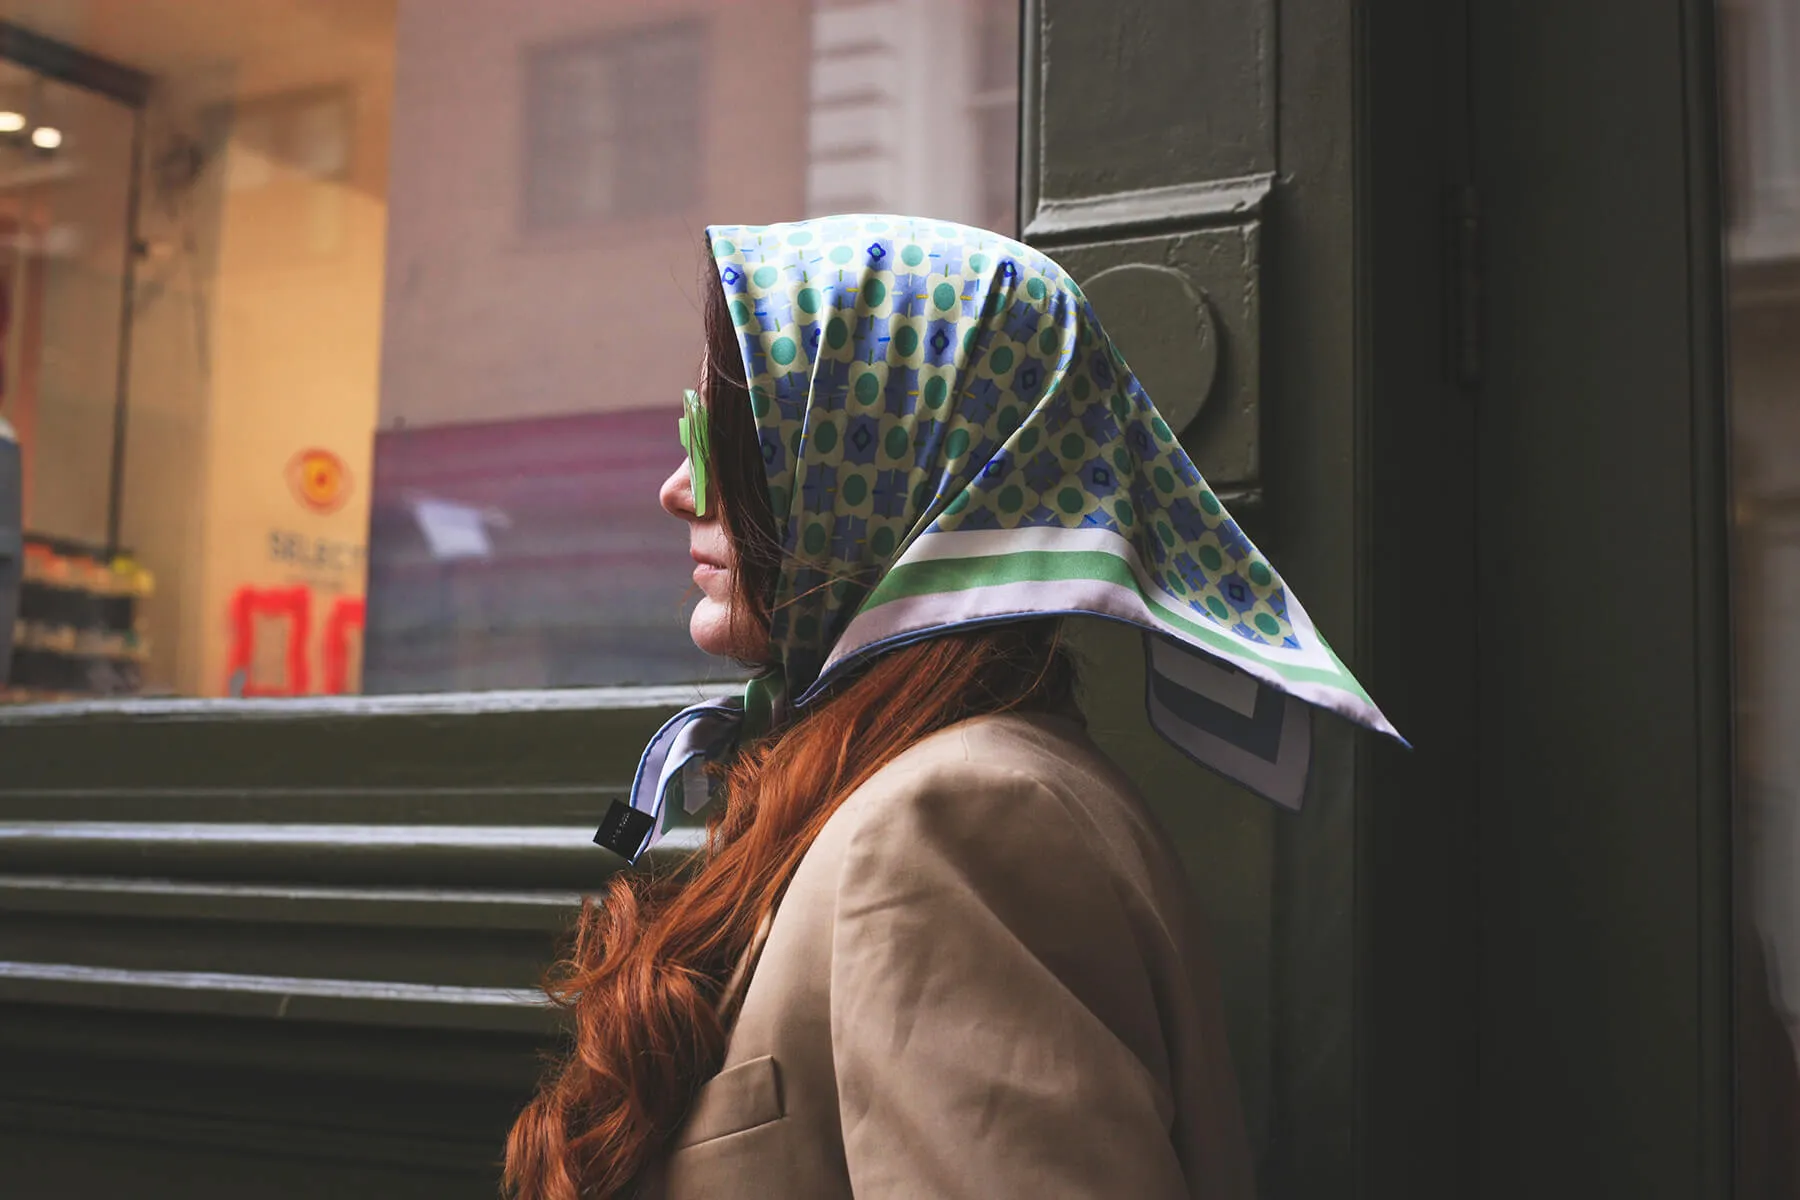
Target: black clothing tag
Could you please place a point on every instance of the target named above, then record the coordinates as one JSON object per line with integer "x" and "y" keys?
{"x": 624, "y": 829}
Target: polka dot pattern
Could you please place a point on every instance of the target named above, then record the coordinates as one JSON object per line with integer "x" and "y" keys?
{"x": 931, "y": 378}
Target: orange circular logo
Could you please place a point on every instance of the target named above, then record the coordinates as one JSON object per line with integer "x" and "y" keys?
{"x": 320, "y": 480}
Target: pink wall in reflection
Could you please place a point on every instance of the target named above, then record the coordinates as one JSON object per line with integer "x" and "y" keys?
{"x": 489, "y": 318}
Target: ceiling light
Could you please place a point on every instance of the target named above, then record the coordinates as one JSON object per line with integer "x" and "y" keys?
{"x": 11, "y": 122}
{"x": 46, "y": 137}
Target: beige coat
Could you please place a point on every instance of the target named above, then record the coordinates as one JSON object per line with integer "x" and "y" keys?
{"x": 986, "y": 980}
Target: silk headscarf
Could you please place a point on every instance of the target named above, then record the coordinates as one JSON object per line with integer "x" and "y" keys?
{"x": 952, "y": 440}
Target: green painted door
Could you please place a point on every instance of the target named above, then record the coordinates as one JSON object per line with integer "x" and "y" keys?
{"x": 1434, "y": 289}
{"x": 1196, "y": 167}
{"x": 1604, "y": 749}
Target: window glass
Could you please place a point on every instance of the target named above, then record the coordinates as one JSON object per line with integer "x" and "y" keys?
{"x": 1759, "y": 46}
{"x": 414, "y": 298}
{"x": 65, "y": 172}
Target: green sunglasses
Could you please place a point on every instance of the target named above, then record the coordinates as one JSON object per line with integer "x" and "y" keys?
{"x": 699, "y": 448}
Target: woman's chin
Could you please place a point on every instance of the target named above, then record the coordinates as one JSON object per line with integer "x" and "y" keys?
{"x": 710, "y": 627}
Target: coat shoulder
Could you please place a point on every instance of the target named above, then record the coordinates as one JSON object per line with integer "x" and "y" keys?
{"x": 1014, "y": 776}
{"x": 1004, "y": 749}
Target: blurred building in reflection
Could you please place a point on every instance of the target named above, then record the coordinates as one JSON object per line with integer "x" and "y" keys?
{"x": 405, "y": 257}
{"x": 553, "y": 165}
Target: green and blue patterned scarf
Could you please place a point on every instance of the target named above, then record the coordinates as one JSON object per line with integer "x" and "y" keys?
{"x": 952, "y": 440}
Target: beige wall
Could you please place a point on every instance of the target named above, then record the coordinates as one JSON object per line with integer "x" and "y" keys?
{"x": 297, "y": 318}
{"x": 486, "y": 320}
{"x": 163, "y": 517}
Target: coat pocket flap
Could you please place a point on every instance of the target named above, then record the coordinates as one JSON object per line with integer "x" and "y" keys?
{"x": 738, "y": 1098}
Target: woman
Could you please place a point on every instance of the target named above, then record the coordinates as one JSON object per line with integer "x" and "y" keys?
{"x": 936, "y": 946}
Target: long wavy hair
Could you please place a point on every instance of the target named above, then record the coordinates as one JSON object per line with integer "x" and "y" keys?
{"x": 643, "y": 978}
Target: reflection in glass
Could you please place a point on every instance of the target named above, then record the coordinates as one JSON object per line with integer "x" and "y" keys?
{"x": 537, "y": 329}
{"x": 416, "y": 297}
{"x": 65, "y": 172}
{"x": 1760, "y": 88}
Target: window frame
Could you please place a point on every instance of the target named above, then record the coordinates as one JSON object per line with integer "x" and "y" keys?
{"x": 130, "y": 88}
{"x": 614, "y": 47}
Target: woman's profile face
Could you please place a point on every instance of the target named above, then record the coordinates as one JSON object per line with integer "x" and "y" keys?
{"x": 713, "y": 626}
{"x": 715, "y": 564}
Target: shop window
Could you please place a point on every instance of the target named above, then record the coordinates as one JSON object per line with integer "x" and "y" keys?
{"x": 612, "y": 125}
{"x": 412, "y": 302}
{"x": 79, "y": 619}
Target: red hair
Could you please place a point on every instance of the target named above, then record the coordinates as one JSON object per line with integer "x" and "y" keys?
{"x": 650, "y": 958}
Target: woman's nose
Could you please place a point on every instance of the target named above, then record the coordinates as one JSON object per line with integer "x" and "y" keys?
{"x": 677, "y": 494}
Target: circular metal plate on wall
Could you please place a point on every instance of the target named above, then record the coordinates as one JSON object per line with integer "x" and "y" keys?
{"x": 1165, "y": 329}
